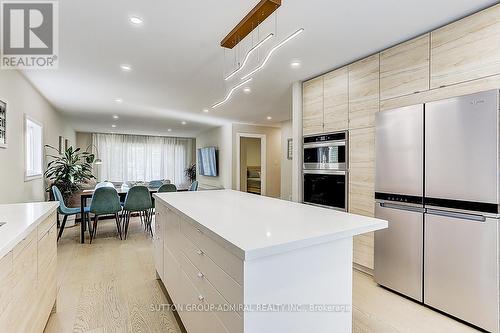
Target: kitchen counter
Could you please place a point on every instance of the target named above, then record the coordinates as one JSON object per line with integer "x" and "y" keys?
{"x": 20, "y": 220}
{"x": 274, "y": 265}
{"x": 258, "y": 226}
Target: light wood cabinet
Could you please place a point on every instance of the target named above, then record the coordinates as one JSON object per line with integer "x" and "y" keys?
{"x": 363, "y": 92}
{"x": 466, "y": 49}
{"x": 336, "y": 100}
{"x": 404, "y": 69}
{"x": 158, "y": 240}
{"x": 28, "y": 286}
{"x": 362, "y": 189}
{"x": 312, "y": 111}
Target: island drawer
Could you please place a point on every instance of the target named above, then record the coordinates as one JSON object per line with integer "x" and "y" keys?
{"x": 230, "y": 319}
{"x": 194, "y": 319}
{"x": 231, "y": 264}
{"x": 225, "y": 285}
{"x": 47, "y": 251}
{"x": 44, "y": 227}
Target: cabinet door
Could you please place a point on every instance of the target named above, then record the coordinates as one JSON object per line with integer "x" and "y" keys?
{"x": 466, "y": 49}
{"x": 313, "y": 106}
{"x": 404, "y": 69}
{"x": 336, "y": 100}
{"x": 7, "y": 281}
{"x": 363, "y": 92}
{"x": 361, "y": 198}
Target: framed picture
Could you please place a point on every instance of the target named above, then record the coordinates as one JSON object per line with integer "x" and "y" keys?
{"x": 66, "y": 144}
{"x": 61, "y": 145}
{"x": 289, "y": 151}
{"x": 3, "y": 124}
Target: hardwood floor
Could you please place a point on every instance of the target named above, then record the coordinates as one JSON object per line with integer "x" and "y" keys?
{"x": 110, "y": 286}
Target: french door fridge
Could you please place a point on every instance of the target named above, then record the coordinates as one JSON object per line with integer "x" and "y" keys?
{"x": 442, "y": 244}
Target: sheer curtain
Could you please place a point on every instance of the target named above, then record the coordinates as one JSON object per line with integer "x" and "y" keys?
{"x": 143, "y": 158}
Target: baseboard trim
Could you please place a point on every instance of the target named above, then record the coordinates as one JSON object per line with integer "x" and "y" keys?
{"x": 362, "y": 269}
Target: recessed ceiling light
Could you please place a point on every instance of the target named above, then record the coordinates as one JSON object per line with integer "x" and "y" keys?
{"x": 114, "y": 126}
{"x": 118, "y": 100}
{"x": 169, "y": 130}
{"x": 183, "y": 123}
{"x": 269, "y": 118}
{"x": 295, "y": 64}
{"x": 205, "y": 110}
{"x": 247, "y": 90}
{"x": 136, "y": 20}
{"x": 115, "y": 116}
{"x": 126, "y": 68}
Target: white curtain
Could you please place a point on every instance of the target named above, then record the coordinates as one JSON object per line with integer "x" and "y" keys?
{"x": 143, "y": 158}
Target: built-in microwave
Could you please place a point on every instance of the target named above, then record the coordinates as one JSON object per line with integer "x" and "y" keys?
{"x": 325, "y": 152}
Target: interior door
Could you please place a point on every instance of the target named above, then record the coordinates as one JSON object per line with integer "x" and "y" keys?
{"x": 461, "y": 267}
{"x": 399, "y": 249}
{"x": 399, "y": 149}
{"x": 461, "y": 148}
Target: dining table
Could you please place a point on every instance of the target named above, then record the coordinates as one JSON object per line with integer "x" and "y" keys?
{"x": 87, "y": 194}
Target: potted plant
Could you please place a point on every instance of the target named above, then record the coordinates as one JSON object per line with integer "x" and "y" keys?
{"x": 190, "y": 173}
{"x": 69, "y": 171}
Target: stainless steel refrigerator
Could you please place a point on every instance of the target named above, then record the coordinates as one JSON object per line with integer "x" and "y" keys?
{"x": 437, "y": 183}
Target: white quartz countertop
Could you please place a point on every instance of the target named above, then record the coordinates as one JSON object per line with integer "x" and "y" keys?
{"x": 258, "y": 226}
{"x": 20, "y": 220}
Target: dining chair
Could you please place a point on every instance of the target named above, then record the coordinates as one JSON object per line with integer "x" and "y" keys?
{"x": 64, "y": 210}
{"x": 138, "y": 200}
{"x": 156, "y": 183}
{"x": 105, "y": 201}
{"x": 104, "y": 184}
{"x": 167, "y": 188}
{"x": 194, "y": 186}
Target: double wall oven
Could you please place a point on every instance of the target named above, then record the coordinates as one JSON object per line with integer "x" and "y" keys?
{"x": 325, "y": 170}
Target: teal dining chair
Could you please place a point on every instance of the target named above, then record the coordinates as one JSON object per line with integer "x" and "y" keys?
{"x": 167, "y": 188}
{"x": 138, "y": 200}
{"x": 105, "y": 201}
{"x": 64, "y": 210}
{"x": 155, "y": 183}
{"x": 194, "y": 186}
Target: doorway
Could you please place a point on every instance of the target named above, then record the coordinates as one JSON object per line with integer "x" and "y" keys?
{"x": 251, "y": 165}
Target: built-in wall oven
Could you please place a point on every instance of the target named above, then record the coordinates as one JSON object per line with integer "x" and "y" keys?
{"x": 325, "y": 170}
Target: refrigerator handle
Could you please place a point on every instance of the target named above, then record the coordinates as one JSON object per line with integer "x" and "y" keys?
{"x": 401, "y": 207}
{"x": 456, "y": 215}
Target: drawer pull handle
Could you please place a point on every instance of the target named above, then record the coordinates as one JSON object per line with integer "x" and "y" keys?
{"x": 200, "y": 252}
{"x": 200, "y": 275}
{"x": 199, "y": 231}
{"x": 201, "y": 298}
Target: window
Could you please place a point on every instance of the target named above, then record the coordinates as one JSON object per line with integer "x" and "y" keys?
{"x": 33, "y": 147}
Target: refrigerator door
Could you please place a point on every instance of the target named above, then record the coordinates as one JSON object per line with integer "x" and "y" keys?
{"x": 461, "y": 267}
{"x": 399, "y": 249}
{"x": 461, "y": 148}
{"x": 399, "y": 149}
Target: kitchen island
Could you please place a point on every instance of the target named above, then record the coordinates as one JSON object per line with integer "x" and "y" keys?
{"x": 236, "y": 262}
{"x": 28, "y": 261}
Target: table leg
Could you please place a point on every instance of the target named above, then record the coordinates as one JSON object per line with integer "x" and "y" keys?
{"x": 82, "y": 219}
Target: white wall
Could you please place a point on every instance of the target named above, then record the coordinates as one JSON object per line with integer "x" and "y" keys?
{"x": 22, "y": 98}
{"x": 219, "y": 137}
{"x": 286, "y": 164}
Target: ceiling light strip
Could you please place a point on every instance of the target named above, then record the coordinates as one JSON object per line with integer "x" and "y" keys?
{"x": 259, "y": 44}
{"x": 230, "y": 93}
{"x": 266, "y": 59}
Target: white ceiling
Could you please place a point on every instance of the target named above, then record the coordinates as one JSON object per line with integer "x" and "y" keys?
{"x": 178, "y": 64}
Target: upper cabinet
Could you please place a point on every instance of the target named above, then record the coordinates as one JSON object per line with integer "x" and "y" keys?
{"x": 336, "y": 100}
{"x": 364, "y": 92}
{"x": 404, "y": 69}
{"x": 466, "y": 49}
{"x": 313, "y": 106}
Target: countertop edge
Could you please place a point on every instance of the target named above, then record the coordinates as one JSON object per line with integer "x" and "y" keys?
{"x": 6, "y": 248}
{"x": 258, "y": 253}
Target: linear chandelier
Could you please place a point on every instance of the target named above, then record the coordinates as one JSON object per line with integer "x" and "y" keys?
{"x": 266, "y": 59}
{"x": 231, "y": 93}
{"x": 249, "y": 53}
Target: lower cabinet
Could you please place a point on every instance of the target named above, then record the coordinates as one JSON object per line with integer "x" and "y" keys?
{"x": 28, "y": 285}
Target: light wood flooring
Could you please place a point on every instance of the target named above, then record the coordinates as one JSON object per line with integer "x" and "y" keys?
{"x": 110, "y": 285}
